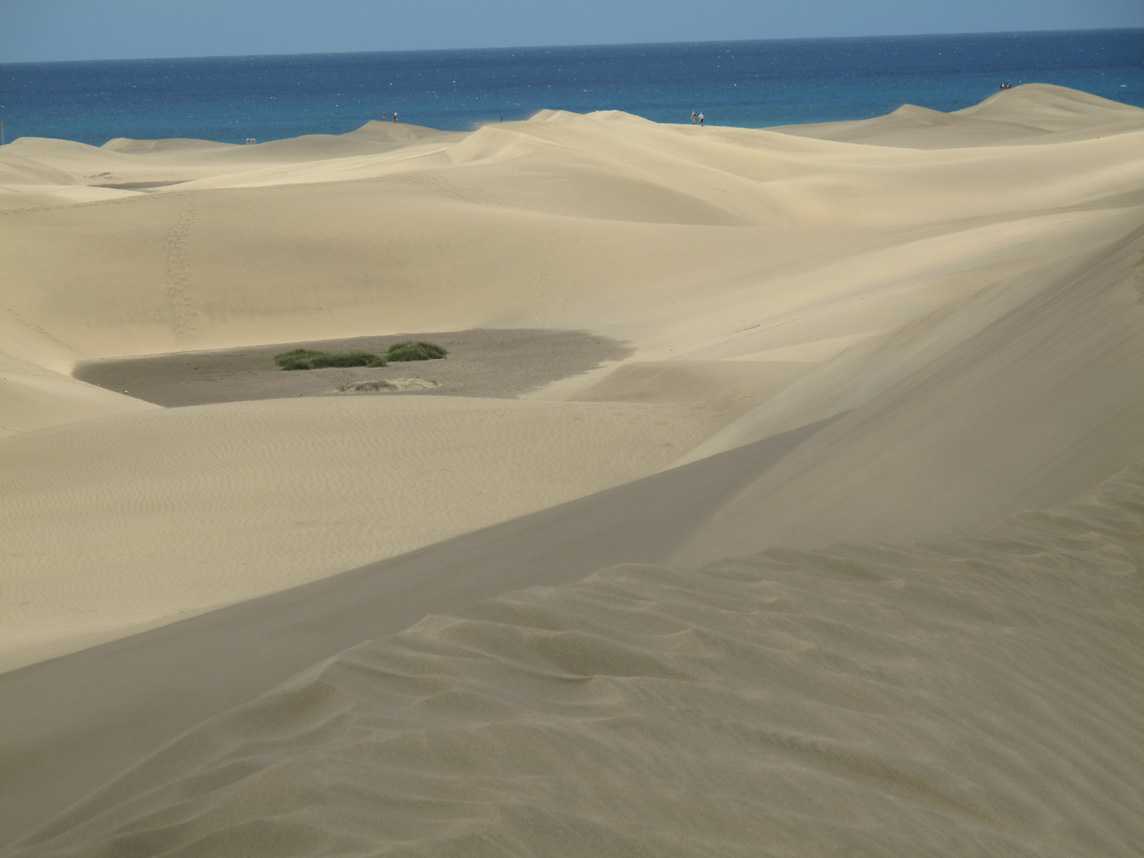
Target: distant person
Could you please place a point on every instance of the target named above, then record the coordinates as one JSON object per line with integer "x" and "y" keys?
{"x": 693, "y": 117}
{"x": 395, "y": 116}
{"x": 700, "y": 118}
{"x": 383, "y": 116}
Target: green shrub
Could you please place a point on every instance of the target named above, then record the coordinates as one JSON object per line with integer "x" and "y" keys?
{"x": 297, "y": 359}
{"x": 308, "y": 359}
{"x": 415, "y": 351}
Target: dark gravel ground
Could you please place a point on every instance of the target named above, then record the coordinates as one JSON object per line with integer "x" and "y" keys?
{"x": 501, "y": 364}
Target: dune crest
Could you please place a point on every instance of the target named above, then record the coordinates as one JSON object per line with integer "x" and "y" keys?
{"x": 1027, "y": 114}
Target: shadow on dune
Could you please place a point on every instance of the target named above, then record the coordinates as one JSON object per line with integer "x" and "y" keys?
{"x": 977, "y": 695}
{"x": 69, "y": 734}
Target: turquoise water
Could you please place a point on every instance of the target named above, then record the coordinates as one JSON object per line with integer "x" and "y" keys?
{"x": 746, "y": 84}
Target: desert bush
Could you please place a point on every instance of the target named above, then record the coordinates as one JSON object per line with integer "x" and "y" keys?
{"x": 309, "y": 359}
{"x": 415, "y": 351}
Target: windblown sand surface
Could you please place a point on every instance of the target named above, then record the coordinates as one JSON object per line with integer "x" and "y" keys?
{"x": 783, "y": 492}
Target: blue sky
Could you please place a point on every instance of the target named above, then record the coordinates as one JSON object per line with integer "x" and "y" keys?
{"x": 37, "y": 30}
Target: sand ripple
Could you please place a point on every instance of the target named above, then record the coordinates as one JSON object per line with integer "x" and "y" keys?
{"x": 979, "y": 695}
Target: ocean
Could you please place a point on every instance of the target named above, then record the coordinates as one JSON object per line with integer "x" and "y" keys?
{"x": 746, "y": 84}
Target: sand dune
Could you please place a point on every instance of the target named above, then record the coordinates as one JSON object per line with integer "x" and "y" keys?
{"x": 170, "y": 513}
{"x": 975, "y": 696}
{"x": 965, "y": 408}
{"x": 1028, "y": 114}
{"x": 853, "y": 356}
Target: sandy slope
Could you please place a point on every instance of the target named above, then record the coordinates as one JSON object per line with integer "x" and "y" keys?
{"x": 171, "y": 513}
{"x": 829, "y": 341}
{"x": 979, "y": 695}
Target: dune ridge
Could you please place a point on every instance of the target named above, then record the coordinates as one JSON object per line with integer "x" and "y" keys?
{"x": 857, "y": 492}
{"x": 1027, "y": 114}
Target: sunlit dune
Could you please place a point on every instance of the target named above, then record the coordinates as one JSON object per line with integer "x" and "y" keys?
{"x": 780, "y": 492}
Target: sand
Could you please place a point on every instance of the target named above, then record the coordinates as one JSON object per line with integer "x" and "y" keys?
{"x": 781, "y": 493}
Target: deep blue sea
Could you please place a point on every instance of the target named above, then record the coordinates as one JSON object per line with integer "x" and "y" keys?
{"x": 745, "y": 84}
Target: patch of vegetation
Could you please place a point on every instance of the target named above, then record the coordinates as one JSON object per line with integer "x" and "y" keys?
{"x": 309, "y": 359}
{"x": 414, "y": 351}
